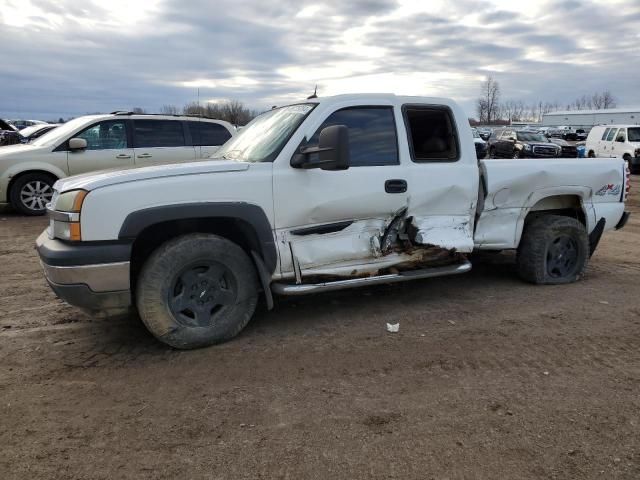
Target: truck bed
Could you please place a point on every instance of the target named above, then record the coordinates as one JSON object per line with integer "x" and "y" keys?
{"x": 515, "y": 187}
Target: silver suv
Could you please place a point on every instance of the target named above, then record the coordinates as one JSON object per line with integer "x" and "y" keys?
{"x": 99, "y": 142}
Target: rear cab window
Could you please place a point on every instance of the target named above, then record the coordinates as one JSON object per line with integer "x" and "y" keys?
{"x": 612, "y": 134}
{"x": 432, "y": 133}
{"x": 158, "y": 133}
{"x": 606, "y": 132}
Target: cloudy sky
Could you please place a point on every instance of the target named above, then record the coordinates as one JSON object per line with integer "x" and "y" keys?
{"x": 70, "y": 57}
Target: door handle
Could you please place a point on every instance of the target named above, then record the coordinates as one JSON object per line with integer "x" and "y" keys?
{"x": 144, "y": 155}
{"x": 123, "y": 155}
{"x": 395, "y": 186}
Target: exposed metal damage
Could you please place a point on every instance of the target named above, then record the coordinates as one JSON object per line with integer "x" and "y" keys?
{"x": 370, "y": 248}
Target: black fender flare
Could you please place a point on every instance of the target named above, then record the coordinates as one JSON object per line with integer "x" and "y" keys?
{"x": 247, "y": 213}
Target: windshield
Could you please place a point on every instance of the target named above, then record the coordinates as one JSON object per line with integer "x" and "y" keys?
{"x": 633, "y": 134}
{"x": 58, "y": 134}
{"x": 263, "y": 138}
{"x": 531, "y": 137}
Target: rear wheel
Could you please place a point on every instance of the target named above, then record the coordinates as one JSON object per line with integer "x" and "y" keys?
{"x": 492, "y": 152}
{"x": 553, "y": 250}
{"x": 31, "y": 192}
{"x": 197, "y": 290}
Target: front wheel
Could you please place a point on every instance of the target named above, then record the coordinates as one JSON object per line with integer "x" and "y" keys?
{"x": 31, "y": 192}
{"x": 517, "y": 154}
{"x": 591, "y": 154}
{"x": 553, "y": 250}
{"x": 197, "y": 290}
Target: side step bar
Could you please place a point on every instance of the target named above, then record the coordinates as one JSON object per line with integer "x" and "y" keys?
{"x": 302, "y": 289}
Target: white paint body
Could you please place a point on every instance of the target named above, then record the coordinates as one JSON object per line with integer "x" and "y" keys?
{"x": 441, "y": 198}
{"x": 610, "y": 146}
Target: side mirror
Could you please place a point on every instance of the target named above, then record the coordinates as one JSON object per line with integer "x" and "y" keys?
{"x": 77, "y": 144}
{"x": 332, "y": 150}
{"x": 513, "y": 139}
{"x": 620, "y": 139}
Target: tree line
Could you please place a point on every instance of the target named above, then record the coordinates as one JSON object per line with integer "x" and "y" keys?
{"x": 232, "y": 111}
{"x": 491, "y": 110}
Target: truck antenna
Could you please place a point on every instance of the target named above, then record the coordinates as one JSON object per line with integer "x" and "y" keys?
{"x": 315, "y": 94}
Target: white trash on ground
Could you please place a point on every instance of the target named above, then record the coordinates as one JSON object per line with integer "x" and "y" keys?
{"x": 393, "y": 327}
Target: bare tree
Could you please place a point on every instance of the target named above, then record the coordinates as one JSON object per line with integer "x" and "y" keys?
{"x": 231, "y": 111}
{"x": 481, "y": 109}
{"x": 138, "y": 110}
{"x": 596, "y": 101}
{"x": 490, "y": 98}
{"x": 235, "y": 112}
{"x": 608, "y": 100}
{"x": 169, "y": 110}
{"x": 508, "y": 109}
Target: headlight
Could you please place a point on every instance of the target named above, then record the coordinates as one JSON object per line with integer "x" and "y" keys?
{"x": 64, "y": 215}
{"x": 69, "y": 201}
{"x": 527, "y": 146}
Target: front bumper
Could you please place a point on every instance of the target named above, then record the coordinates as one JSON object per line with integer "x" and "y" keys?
{"x": 92, "y": 277}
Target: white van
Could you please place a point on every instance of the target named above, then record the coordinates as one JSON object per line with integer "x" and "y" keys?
{"x": 620, "y": 141}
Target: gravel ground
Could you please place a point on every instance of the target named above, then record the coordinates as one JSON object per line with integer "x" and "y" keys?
{"x": 488, "y": 378}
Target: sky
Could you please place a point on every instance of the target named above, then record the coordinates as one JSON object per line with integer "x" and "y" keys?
{"x": 63, "y": 58}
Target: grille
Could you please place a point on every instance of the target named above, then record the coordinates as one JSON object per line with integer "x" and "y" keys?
{"x": 544, "y": 151}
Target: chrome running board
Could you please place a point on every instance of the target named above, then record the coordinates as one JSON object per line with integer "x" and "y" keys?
{"x": 304, "y": 288}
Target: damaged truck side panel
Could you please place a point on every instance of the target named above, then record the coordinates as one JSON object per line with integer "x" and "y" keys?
{"x": 439, "y": 201}
{"x": 517, "y": 188}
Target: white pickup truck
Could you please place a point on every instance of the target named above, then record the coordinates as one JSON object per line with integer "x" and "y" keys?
{"x": 322, "y": 195}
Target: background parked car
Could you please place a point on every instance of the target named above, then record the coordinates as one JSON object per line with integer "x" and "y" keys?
{"x": 20, "y": 124}
{"x": 480, "y": 144}
{"x": 564, "y": 132}
{"x": 581, "y": 134}
{"x": 510, "y": 143}
{"x": 8, "y": 134}
{"x": 97, "y": 142}
{"x": 567, "y": 149}
{"x": 29, "y": 134}
{"x": 484, "y": 133}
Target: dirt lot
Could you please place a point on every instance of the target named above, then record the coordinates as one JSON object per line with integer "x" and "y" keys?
{"x": 487, "y": 378}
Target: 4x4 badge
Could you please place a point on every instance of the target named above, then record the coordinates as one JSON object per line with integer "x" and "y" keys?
{"x": 609, "y": 189}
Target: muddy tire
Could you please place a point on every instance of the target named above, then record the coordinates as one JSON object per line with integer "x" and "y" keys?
{"x": 31, "y": 192}
{"x": 591, "y": 154}
{"x": 553, "y": 250}
{"x": 197, "y": 290}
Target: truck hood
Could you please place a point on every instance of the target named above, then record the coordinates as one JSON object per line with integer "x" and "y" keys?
{"x": 91, "y": 181}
